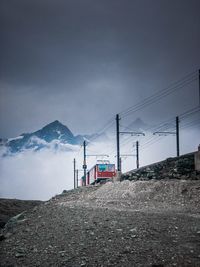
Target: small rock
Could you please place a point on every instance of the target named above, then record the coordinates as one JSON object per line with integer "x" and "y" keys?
{"x": 19, "y": 254}
{"x": 133, "y": 236}
{"x": 133, "y": 230}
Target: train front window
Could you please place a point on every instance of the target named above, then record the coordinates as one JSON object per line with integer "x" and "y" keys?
{"x": 111, "y": 167}
{"x": 102, "y": 167}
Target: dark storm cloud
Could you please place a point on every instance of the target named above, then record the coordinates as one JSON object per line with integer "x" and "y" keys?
{"x": 63, "y": 58}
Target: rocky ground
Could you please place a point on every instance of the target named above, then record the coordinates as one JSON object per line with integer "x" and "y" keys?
{"x": 182, "y": 168}
{"x": 12, "y": 207}
{"x": 142, "y": 223}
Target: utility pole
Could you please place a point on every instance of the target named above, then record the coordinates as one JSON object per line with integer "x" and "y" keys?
{"x": 77, "y": 178}
{"x": 119, "y": 168}
{"x": 172, "y": 133}
{"x": 199, "y": 87}
{"x": 132, "y": 155}
{"x": 120, "y": 163}
{"x": 84, "y": 161}
{"x": 137, "y": 154}
{"x": 118, "y": 150}
{"x": 177, "y": 137}
{"x": 74, "y": 173}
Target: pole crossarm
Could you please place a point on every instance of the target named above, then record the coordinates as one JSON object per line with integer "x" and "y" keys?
{"x": 128, "y": 155}
{"x": 98, "y": 155}
{"x": 164, "y": 133}
{"x": 133, "y": 133}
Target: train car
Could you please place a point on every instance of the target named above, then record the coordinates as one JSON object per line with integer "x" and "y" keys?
{"x": 99, "y": 173}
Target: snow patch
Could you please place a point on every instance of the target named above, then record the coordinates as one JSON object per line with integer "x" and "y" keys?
{"x": 15, "y": 138}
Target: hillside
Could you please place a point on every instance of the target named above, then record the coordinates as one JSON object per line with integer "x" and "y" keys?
{"x": 12, "y": 207}
{"x": 129, "y": 223}
{"x": 181, "y": 168}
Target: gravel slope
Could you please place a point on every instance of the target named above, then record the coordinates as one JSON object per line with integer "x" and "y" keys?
{"x": 12, "y": 207}
{"x": 122, "y": 224}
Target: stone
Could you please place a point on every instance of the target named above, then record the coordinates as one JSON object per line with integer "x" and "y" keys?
{"x": 15, "y": 220}
{"x": 133, "y": 230}
{"x": 19, "y": 255}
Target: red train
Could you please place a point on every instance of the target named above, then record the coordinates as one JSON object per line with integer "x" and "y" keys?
{"x": 100, "y": 172}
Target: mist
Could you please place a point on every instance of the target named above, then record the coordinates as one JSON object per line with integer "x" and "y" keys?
{"x": 45, "y": 173}
{"x": 38, "y": 175}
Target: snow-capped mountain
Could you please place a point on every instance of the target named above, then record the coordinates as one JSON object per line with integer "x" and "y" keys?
{"x": 54, "y": 135}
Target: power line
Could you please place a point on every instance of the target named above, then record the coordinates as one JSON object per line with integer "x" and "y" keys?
{"x": 157, "y": 96}
{"x": 191, "y": 123}
{"x": 186, "y": 78}
{"x": 190, "y": 112}
{"x": 149, "y": 102}
{"x": 151, "y": 143}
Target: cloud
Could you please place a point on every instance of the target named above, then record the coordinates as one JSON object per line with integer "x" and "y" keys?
{"x": 43, "y": 174}
{"x": 38, "y": 175}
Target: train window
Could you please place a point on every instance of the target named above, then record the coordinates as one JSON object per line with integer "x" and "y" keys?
{"x": 111, "y": 167}
{"x": 102, "y": 167}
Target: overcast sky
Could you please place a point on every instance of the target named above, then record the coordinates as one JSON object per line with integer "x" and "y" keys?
{"x": 83, "y": 61}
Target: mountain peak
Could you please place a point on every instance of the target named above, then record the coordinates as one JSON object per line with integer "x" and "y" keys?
{"x": 55, "y": 123}
{"x": 55, "y": 130}
{"x": 138, "y": 124}
{"x": 53, "y": 134}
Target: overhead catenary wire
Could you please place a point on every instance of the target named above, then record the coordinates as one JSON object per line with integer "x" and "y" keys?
{"x": 191, "y": 123}
{"x": 168, "y": 124}
{"x": 155, "y": 97}
{"x": 147, "y": 145}
{"x": 186, "y": 78}
{"x": 189, "y": 112}
{"x": 159, "y": 95}
{"x": 149, "y": 102}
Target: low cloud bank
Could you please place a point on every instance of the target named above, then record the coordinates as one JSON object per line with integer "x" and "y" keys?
{"x": 35, "y": 175}
{"x": 45, "y": 173}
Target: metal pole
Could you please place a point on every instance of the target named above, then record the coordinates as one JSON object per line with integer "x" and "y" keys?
{"x": 74, "y": 173}
{"x": 120, "y": 161}
{"x": 84, "y": 161}
{"x": 77, "y": 178}
{"x": 118, "y": 149}
{"x": 177, "y": 137}
{"x": 137, "y": 154}
{"x": 199, "y": 87}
